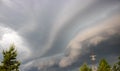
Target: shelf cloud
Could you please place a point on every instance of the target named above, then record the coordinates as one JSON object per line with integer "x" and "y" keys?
{"x": 60, "y": 34}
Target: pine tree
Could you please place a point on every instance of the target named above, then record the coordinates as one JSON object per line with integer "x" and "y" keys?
{"x": 116, "y": 66}
{"x": 10, "y": 62}
{"x": 85, "y": 67}
{"x": 104, "y": 66}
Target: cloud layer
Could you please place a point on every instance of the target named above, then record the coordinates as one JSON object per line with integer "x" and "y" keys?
{"x": 60, "y": 35}
{"x": 92, "y": 36}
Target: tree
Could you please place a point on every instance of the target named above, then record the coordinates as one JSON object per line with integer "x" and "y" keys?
{"x": 85, "y": 67}
{"x": 10, "y": 62}
{"x": 116, "y": 66}
{"x": 104, "y": 66}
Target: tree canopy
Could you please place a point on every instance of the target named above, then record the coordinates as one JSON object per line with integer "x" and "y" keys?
{"x": 104, "y": 66}
{"x": 10, "y": 62}
{"x": 116, "y": 66}
{"x": 85, "y": 67}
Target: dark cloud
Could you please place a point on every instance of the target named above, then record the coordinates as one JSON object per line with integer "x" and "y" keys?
{"x": 62, "y": 34}
{"x": 74, "y": 24}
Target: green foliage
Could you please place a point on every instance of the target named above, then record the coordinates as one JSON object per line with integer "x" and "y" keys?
{"x": 10, "y": 62}
{"x": 85, "y": 67}
{"x": 104, "y": 66}
{"x": 116, "y": 66}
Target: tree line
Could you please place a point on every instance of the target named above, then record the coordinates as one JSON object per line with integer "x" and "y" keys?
{"x": 10, "y": 62}
{"x": 102, "y": 66}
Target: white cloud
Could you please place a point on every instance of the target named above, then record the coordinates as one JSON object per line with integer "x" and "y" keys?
{"x": 8, "y": 37}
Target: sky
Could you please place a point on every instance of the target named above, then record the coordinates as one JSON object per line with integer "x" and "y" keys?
{"x": 60, "y": 35}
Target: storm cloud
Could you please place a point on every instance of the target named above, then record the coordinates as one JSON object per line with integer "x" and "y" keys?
{"x": 60, "y": 34}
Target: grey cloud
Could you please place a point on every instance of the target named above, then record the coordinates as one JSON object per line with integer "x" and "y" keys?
{"x": 75, "y": 25}
{"x": 43, "y": 63}
{"x": 82, "y": 47}
{"x": 93, "y": 36}
{"x": 49, "y": 27}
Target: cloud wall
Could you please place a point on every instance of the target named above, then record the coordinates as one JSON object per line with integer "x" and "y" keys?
{"x": 60, "y": 34}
